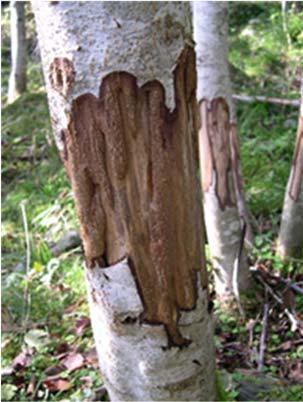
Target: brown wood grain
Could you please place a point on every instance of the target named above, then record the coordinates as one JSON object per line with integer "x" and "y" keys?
{"x": 133, "y": 169}
{"x": 216, "y": 159}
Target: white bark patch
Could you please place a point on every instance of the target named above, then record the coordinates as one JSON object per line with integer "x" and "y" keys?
{"x": 211, "y": 37}
{"x": 134, "y": 357}
{"x": 142, "y": 38}
{"x": 224, "y": 233}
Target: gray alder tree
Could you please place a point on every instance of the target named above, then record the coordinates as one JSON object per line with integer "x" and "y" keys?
{"x": 224, "y": 205}
{"x": 121, "y": 85}
{"x": 17, "y": 79}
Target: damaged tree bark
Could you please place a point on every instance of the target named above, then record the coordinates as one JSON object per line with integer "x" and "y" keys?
{"x": 122, "y": 99}
{"x": 224, "y": 206}
{"x": 290, "y": 241}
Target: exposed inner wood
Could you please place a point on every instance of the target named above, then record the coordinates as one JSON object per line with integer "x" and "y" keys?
{"x": 215, "y": 155}
{"x": 297, "y": 167}
{"x": 133, "y": 168}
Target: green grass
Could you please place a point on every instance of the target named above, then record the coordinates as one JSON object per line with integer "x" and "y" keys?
{"x": 265, "y": 58}
{"x": 266, "y": 154}
{"x": 263, "y": 63}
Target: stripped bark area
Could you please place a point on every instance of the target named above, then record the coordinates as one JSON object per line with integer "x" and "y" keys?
{"x": 216, "y": 157}
{"x": 132, "y": 165}
{"x": 297, "y": 165}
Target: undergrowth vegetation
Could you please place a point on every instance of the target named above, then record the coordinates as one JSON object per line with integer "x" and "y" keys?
{"x": 47, "y": 346}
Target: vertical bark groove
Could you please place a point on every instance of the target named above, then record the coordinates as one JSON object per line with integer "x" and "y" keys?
{"x": 123, "y": 151}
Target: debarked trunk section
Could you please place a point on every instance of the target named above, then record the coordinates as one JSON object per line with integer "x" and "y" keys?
{"x": 133, "y": 168}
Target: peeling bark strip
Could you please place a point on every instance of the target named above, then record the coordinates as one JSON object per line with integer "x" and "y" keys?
{"x": 215, "y": 156}
{"x": 297, "y": 165}
{"x": 132, "y": 166}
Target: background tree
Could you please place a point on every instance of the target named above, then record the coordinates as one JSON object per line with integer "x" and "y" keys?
{"x": 17, "y": 79}
{"x": 121, "y": 80}
{"x": 290, "y": 241}
{"x": 224, "y": 206}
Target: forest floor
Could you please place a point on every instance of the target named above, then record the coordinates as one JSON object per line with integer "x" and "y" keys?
{"x": 47, "y": 347}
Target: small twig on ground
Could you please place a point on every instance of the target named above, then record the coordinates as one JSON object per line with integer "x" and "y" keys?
{"x": 26, "y": 294}
{"x": 263, "y": 334}
{"x": 266, "y": 99}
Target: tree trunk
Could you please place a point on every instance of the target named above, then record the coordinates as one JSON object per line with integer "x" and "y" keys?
{"x": 17, "y": 79}
{"x": 224, "y": 206}
{"x": 290, "y": 241}
{"x": 120, "y": 78}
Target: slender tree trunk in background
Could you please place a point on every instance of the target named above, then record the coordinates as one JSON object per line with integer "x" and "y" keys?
{"x": 120, "y": 79}
{"x": 290, "y": 241}
{"x": 17, "y": 79}
{"x": 219, "y": 152}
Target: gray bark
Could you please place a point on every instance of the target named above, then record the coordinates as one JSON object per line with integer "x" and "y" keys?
{"x": 17, "y": 79}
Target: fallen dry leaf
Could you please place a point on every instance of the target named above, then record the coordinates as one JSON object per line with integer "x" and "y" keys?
{"x": 296, "y": 373}
{"x": 62, "y": 348}
{"x": 5, "y": 343}
{"x": 22, "y": 360}
{"x": 57, "y": 384}
{"x": 81, "y": 324}
{"x": 87, "y": 380}
{"x": 73, "y": 361}
{"x": 54, "y": 370}
{"x": 6, "y": 371}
